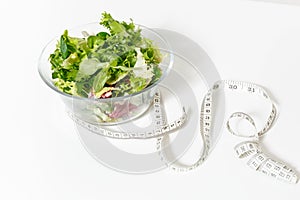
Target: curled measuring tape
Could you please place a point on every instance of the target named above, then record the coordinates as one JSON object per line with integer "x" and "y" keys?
{"x": 249, "y": 149}
{"x": 252, "y": 152}
{"x": 257, "y": 160}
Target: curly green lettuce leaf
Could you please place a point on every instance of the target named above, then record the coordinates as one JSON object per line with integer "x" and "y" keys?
{"x": 137, "y": 84}
{"x": 100, "y": 79}
{"x": 114, "y": 26}
{"x": 65, "y": 62}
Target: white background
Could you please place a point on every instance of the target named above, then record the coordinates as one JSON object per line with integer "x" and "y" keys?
{"x": 41, "y": 156}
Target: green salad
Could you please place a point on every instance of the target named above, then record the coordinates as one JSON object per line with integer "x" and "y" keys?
{"x": 112, "y": 63}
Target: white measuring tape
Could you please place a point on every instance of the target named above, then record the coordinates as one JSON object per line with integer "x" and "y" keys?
{"x": 257, "y": 160}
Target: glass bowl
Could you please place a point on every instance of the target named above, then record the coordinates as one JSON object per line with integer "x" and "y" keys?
{"x": 120, "y": 109}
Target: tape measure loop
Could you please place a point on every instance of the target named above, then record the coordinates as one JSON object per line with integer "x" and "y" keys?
{"x": 243, "y": 116}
